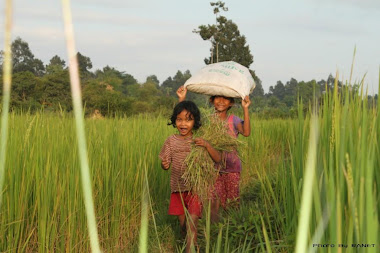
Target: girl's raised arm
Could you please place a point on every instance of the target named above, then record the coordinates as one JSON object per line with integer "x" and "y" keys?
{"x": 181, "y": 93}
{"x": 245, "y": 129}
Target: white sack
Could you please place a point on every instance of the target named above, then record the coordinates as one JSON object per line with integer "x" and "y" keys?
{"x": 229, "y": 79}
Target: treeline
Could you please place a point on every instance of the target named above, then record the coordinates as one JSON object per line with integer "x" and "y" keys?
{"x": 110, "y": 92}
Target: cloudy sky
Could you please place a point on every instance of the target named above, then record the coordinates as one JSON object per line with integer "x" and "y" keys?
{"x": 303, "y": 39}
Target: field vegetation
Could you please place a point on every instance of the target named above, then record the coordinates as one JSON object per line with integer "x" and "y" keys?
{"x": 42, "y": 208}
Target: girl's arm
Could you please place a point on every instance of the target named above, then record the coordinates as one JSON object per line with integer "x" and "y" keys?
{"x": 165, "y": 155}
{"x": 165, "y": 165}
{"x": 245, "y": 129}
{"x": 181, "y": 93}
{"x": 215, "y": 155}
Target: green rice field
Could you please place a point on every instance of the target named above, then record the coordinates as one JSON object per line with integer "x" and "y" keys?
{"x": 327, "y": 177}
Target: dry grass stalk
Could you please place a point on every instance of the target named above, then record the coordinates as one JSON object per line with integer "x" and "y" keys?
{"x": 202, "y": 171}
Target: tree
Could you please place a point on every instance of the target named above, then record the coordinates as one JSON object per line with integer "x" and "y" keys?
{"x": 128, "y": 79}
{"x": 108, "y": 102}
{"x": 258, "y": 91}
{"x": 148, "y": 92}
{"x": 38, "y": 67}
{"x": 55, "y": 65}
{"x": 23, "y": 58}
{"x": 110, "y": 77}
{"x": 291, "y": 87}
{"x": 306, "y": 91}
{"x": 227, "y": 42}
{"x": 171, "y": 84}
{"x": 54, "y": 93}
{"x": 56, "y": 60}
{"x": 211, "y": 32}
{"x": 153, "y": 79}
{"x": 84, "y": 63}
{"x": 118, "y": 79}
{"x": 1, "y": 59}
{"x": 278, "y": 90}
{"x": 258, "y": 97}
{"x": 24, "y": 84}
{"x": 108, "y": 71}
{"x": 23, "y": 94}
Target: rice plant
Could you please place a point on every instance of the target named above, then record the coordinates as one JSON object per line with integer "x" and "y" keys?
{"x": 343, "y": 193}
{"x": 43, "y": 210}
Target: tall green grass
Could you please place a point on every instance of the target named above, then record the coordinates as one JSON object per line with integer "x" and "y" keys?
{"x": 43, "y": 208}
{"x": 343, "y": 195}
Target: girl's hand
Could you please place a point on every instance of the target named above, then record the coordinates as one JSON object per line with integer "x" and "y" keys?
{"x": 201, "y": 142}
{"x": 214, "y": 154}
{"x": 246, "y": 102}
{"x": 165, "y": 165}
{"x": 181, "y": 93}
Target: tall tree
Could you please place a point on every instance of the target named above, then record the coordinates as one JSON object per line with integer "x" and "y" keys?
{"x": 56, "y": 64}
{"x": 291, "y": 87}
{"x": 54, "y": 93}
{"x": 128, "y": 79}
{"x": 153, "y": 79}
{"x": 171, "y": 84}
{"x": 24, "y": 93}
{"x": 119, "y": 80}
{"x": 24, "y": 85}
{"x": 211, "y": 32}
{"x": 109, "y": 76}
{"x": 278, "y": 90}
{"x": 56, "y": 60}
{"x": 227, "y": 44}
{"x": 258, "y": 91}
{"x": 23, "y": 58}
{"x": 258, "y": 96}
{"x": 84, "y": 63}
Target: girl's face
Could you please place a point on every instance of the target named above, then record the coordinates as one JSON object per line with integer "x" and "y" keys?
{"x": 222, "y": 104}
{"x": 185, "y": 123}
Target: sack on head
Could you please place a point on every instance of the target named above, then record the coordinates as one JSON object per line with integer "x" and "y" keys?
{"x": 229, "y": 79}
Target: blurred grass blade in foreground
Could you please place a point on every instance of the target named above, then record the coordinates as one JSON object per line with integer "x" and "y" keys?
{"x": 77, "y": 104}
{"x": 306, "y": 203}
{"x": 7, "y": 80}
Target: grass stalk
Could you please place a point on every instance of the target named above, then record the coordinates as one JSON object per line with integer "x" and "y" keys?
{"x": 306, "y": 202}
{"x": 143, "y": 245}
{"x": 79, "y": 122}
{"x": 7, "y": 81}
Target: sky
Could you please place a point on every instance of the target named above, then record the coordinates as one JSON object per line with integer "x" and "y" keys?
{"x": 301, "y": 39}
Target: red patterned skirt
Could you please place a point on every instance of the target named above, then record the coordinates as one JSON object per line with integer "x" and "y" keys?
{"x": 226, "y": 189}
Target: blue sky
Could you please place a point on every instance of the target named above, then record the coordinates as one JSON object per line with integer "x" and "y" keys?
{"x": 305, "y": 40}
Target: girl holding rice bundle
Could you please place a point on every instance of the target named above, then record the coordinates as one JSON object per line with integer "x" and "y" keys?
{"x": 226, "y": 188}
{"x": 185, "y": 118}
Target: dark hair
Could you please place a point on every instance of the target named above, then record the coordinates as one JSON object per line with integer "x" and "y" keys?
{"x": 232, "y": 100}
{"x": 191, "y": 108}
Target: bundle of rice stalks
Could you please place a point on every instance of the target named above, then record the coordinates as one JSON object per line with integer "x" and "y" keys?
{"x": 202, "y": 171}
